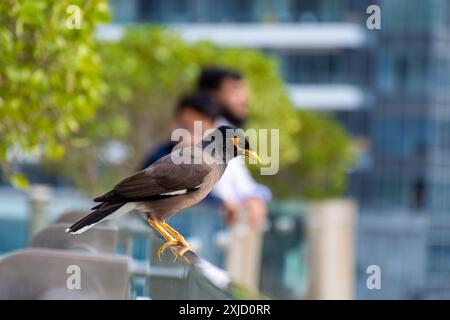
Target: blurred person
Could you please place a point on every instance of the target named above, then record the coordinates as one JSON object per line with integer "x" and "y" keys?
{"x": 236, "y": 188}
{"x": 191, "y": 108}
{"x": 230, "y": 92}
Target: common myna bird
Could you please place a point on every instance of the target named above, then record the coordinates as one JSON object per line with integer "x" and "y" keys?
{"x": 173, "y": 183}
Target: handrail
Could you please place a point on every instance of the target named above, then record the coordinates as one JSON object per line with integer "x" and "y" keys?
{"x": 199, "y": 270}
{"x": 215, "y": 276}
{"x": 202, "y": 273}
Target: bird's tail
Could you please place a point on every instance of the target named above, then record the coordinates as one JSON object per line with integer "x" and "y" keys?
{"x": 100, "y": 212}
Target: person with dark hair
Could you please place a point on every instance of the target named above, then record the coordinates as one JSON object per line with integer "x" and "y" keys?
{"x": 228, "y": 88}
{"x": 197, "y": 106}
{"x": 236, "y": 188}
{"x": 211, "y": 78}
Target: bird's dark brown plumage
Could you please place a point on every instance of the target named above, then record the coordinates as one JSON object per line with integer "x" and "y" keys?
{"x": 161, "y": 178}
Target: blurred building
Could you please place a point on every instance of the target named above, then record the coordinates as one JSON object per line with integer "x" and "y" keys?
{"x": 389, "y": 87}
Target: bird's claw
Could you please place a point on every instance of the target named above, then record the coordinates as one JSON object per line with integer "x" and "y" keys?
{"x": 164, "y": 247}
{"x": 177, "y": 252}
{"x": 180, "y": 252}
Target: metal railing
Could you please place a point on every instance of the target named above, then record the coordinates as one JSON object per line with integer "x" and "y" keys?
{"x": 281, "y": 269}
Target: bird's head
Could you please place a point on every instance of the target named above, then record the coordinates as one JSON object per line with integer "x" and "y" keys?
{"x": 235, "y": 143}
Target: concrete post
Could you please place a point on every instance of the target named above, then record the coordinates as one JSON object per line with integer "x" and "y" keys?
{"x": 330, "y": 236}
{"x": 39, "y": 197}
{"x": 243, "y": 260}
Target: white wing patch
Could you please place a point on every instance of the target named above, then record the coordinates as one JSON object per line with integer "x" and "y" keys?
{"x": 178, "y": 192}
{"x": 174, "y": 193}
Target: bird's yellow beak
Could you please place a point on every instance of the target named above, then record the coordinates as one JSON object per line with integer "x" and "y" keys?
{"x": 252, "y": 154}
{"x": 247, "y": 152}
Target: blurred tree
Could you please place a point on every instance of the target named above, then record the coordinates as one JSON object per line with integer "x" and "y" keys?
{"x": 50, "y": 80}
{"x": 325, "y": 155}
{"x": 149, "y": 67}
{"x": 146, "y": 71}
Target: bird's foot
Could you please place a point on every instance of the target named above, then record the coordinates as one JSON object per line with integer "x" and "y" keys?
{"x": 178, "y": 248}
{"x": 165, "y": 246}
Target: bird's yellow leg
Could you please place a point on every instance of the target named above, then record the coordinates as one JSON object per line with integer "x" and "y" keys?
{"x": 176, "y": 235}
{"x": 170, "y": 240}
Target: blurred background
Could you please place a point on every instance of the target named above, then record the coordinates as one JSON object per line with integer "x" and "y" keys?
{"x": 364, "y": 124}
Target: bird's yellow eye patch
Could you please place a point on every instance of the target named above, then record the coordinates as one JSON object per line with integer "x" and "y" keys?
{"x": 236, "y": 141}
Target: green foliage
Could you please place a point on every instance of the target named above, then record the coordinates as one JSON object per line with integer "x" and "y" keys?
{"x": 19, "y": 181}
{"x": 325, "y": 155}
{"x": 50, "y": 80}
{"x": 145, "y": 72}
{"x": 53, "y": 79}
{"x": 151, "y": 66}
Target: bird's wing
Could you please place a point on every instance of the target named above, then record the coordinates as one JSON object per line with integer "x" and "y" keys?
{"x": 162, "y": 180}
